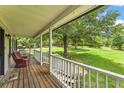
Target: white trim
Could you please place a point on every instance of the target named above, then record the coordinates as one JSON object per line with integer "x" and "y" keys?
{"x": 50, "y": 48}
{"x": 41, "y": 49}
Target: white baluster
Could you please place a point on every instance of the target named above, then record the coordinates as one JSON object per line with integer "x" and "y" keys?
{"x": 47, "y": 58}
{"x": 44, "y": 57}
{"x": 56, "y": 67}
{"x": 106, "y": 81}
{"x": 97, "y": 79}
{"x": 52, "y": 64}
{"x": 117, "y": 83}
{"x": 67, "y": 73}
{"x": 83, "y": 77}
{"x": 59, "y": 69}
{"x": 63, "y": 70}
{"x": 71, "y": 75}
{"x": 89, "y": 72}
{"x": 75, "y": 75}
{"x": 78, "y": 76}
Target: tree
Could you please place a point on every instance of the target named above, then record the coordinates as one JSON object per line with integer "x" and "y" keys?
{"x": 106, "y": 23}
{"x": 57, "y": 38}
{"x": 118, "y": 36}
{"x": 64, "y": 33}
{"x": 118, "y": 41}
{"x": 87, "y": 29}
{"x": 76, "y": 33}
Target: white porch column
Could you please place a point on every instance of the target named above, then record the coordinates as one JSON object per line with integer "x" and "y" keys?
{"x": 41, "y": 49}
{"x": 12, "y": 44}
{"x": 50, "y": 48}
{"x": 34, "y": 50}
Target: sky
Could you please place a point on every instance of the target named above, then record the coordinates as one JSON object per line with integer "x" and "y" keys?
{"x": 120, "y": 9}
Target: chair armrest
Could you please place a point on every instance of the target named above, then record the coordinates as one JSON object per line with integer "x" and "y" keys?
{"x": 24, "y": 56}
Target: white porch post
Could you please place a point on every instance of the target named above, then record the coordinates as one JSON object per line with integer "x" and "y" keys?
{"x": 41, "y": 49}
{"x": 34, "y": 50}
{"x": 50, "y": 48}
{"x": 12, "y": 44}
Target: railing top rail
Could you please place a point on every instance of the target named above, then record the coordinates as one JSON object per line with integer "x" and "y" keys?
{"x": 37, "y": 50}
{"x": 115, "y": 75}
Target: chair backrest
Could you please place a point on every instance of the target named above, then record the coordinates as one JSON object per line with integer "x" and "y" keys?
{"x": 14, "y": 57}
{"x": 17, "y": 54}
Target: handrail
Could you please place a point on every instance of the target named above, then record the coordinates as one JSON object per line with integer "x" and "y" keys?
{"x": 37, "y": 50}
{"x": 121, "y": 77}
{"x": 45, "y": 56}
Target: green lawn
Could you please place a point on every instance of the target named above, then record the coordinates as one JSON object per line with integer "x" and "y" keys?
{"x": 105, "y": 58}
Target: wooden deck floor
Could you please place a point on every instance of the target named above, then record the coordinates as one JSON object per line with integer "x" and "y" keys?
{"x": 33, "y": 76}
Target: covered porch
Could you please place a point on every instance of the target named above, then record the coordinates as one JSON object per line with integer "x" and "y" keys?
{"x": 47, "y": 70}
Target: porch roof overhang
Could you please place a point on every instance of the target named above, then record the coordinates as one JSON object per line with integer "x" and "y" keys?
{"x": 33, "y": 20}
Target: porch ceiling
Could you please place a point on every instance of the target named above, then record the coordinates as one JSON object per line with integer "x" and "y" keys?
{"x": 32, "y": 20}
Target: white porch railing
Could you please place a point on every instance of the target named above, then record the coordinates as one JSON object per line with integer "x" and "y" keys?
{"x": 76, "y": 75}
{"x": 45, "y": 56}
{"x": 37, "y": 55}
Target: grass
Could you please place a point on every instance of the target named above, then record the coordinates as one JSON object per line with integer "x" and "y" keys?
{"x": 105, "y": 58}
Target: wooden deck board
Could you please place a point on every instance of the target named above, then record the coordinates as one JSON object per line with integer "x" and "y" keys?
{"x": 25, "y": 78}
{"x": 44, "y": 77}
{"x": 20, "y": 78}
{"x": 49, "y": 78}
{"x": 39, "y": 77}
{"x": 52, "y": 80}
{"x": 32, "y": 76}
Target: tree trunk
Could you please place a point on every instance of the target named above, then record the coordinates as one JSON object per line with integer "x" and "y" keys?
{"x": 107, "y": 42}
{"x": 65, "y": 45}
{"x": 119, "y": 47}
{"x": 75, "y": 45}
